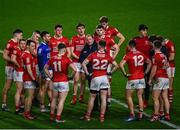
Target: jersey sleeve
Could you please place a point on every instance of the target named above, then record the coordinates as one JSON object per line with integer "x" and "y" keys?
{"x": 115, "y": 31}
{"x": 8, "y": 46}
{"x": 110, "y": 59}
{"x": 27, "y": 60}
{"x": 90, "y": 57}
{"x": 126, "y": 58}
{"x": 112, "y": 42}
{"x": 171, "y": 47}
{"x": 67, "y": 43}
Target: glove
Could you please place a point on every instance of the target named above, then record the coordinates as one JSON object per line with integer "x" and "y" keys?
{"x": 36, "y": 84}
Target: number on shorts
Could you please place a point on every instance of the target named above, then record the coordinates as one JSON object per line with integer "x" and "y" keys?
{"x": 57, "y": 66}
{"x": 97, "y": 65}
{"x": 138, "y": 60}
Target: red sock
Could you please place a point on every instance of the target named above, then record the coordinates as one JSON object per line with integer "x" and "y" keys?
{"x": 17, "y": 107}
{"x": 58, "y": 117}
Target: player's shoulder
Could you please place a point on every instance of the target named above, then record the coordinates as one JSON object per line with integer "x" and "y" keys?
{"x": 65, "y": 38}
{"x": 136, "y": 37}
{"x": 74, "y": 37}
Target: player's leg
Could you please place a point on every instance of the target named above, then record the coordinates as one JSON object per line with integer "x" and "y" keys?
{"x": 49, "y": 91}
{"x": 92, "y": 97}
{"x": 109, "y": 89}
{"x": 82, "y": 87}
{"x": 166, "y": 104}
{"x": 141, "y": 104}
{"x": 62, "y": 98}
{"x": 28, "y": 102}
{"x": 7, "y": 86}
{"x": 161, "y": 109}
{"x": 53, "y": 103}
{"x": 75, "y": 88}
{"x": 155, "y": 95}
{"x": 103, "y": 94}
{"x": 19, "y": 87}
{"x": 129, "y": 93}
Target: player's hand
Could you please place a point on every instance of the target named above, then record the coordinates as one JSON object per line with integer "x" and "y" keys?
{"x": 36, "y": 83}
{"x": 127, "y": 75}
{"x": 88, "y": 76}
{"x": 109, "y": 73}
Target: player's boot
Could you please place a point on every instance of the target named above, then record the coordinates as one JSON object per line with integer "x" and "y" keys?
{"x": 5, "y": 108}
{"x": 29, "y": 116}
{"x": 131, "y": 118}
{"x": 154, "y": 117}
{"x": 87, "y": 117}
{"x": 81, "y": 98}
{"x": 167, "y": 117}
{"x": 58, "y": 119}
{"x": 74, "y": 100}
{"x": 101, "y": 118}
{"x": 161, "y": 115}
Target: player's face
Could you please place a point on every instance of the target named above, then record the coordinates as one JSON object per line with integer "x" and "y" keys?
{"x": 22, "y": 45}
{"x": 100, "y": 31}
{"x": 36, "y": 37}
{"x": 58, "y": 31}
{"x": 89, "y": 40}
{"x": 143, "y": 32}
{"x": 104, "y": 24}
{"x": 47, "y": 38}
{"x": 19, "y": 36}
{"x": 32, "y": 48}
{"x": 81, "y": 30}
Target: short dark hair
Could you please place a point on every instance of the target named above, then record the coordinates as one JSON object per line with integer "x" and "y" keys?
{"x": 103, "y": 19}
{"x": 28, "y": 42}
{"x": 58, "y": 26}
{"x": 44, "y": 33}
{"x": 102, "y": 43}
{"x": 142, "y": 27}
{"x": 37, "y": 31}
{"x": 80, "y": 25}
{"x": 160, "y": 38}
{"x": 152, "y": 38}
{"x": 17, "y": 31}
{"x": 132, "y": 43}
{"x": 157, "y": 44}
{"x": 22, "y": 40}
{"x": 99, "y": 26}
{"x": 61, "y": 46}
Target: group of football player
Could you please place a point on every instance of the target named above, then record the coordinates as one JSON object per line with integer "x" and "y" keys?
{"x": 42, "y": 67}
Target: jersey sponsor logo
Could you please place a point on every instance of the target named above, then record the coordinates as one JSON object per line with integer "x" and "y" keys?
{"x": 101, "y": 55}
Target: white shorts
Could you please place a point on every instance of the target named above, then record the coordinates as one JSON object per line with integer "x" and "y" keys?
{"x": 99, "y": 83}
{"x": 78, "y": 67}
{"x": 171, "y": 71}
{"x": 162, "y": 83}
{"x": 9, "y": 70}
{"x": 61, "y": 86}
{"x": 136, "y": 84}
{"x": 18, "y": 76}
{"x": 29, "y": 85}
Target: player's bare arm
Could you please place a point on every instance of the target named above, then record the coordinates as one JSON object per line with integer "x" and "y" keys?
{"x": 152, "y": 74}
{"x": 30, "y": 72}
{"x": 171, "y": 56}
{"x": 13, "y": 59}
{"x": 149, "y": 64}
{"x": 46, "y": 67}
{"x": 68, "y": 52}
{"x": 121, "y": 65}
{"x": 116, "y": 48}
{"x": 85, "y": 62}
{"x": 73, "y": 54}
{"x": 121, "y": 39}
{"x": 5, "y": 56}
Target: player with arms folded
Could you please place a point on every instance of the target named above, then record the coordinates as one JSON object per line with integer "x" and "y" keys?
{"x": 59, "y": 64}
{"x": 135, "y": 61}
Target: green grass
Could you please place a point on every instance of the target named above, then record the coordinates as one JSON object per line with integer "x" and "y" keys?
{"x": 162, "y": 17}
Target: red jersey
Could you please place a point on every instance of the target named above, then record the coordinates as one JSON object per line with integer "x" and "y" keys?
{"x": 28, "y": 59}
{"x": 59, "y": 65}
{"x": 99, "y": 62}
{"x": 78, "y": 43}
{"x": 53, "y": 43}
{"x": 18, "y": 53}
{"x": 11, "y": 45}
{"x": 171, "y": 49}
{"x": 143, "y": 45}
{"x": 109, "y": 43}
{"x": 160, "y": 60}
{"x": 135, "y": 61}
